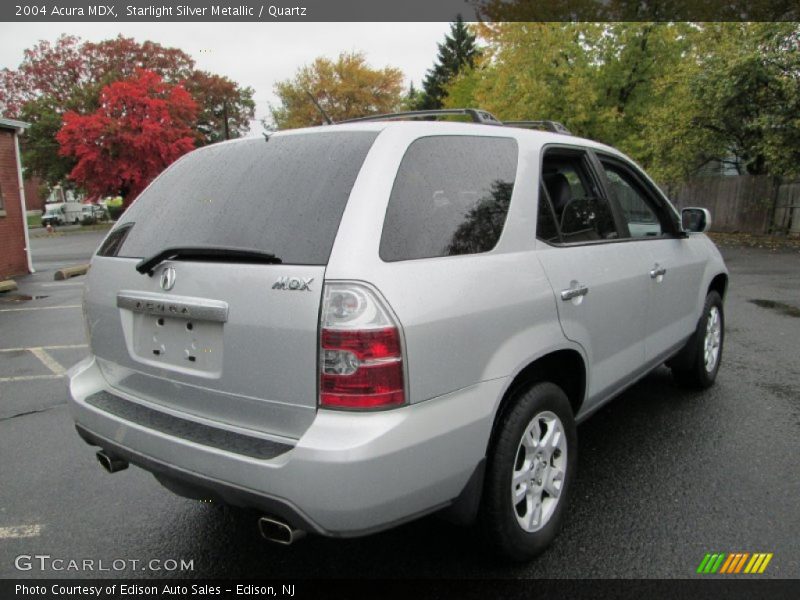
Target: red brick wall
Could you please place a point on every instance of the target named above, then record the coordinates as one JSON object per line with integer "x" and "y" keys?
{"x": 33, "y": 201}
{"x": 13, "y": 260}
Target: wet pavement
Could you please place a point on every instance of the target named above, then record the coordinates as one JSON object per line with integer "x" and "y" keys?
{"x": 665, "y": 474}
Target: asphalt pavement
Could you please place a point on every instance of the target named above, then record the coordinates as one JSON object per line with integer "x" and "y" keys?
{"x": 665, "y": 475}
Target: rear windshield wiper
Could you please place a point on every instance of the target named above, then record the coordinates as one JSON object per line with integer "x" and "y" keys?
{"x": 211, "y": 253}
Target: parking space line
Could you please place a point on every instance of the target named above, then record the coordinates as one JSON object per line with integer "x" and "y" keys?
{"x": 20, "y": 531}
{"x": 48, "y": 361}
{"x": 60, "y": 285}
{"x": 29, "y": 378}
{"x": 39, "y": 308}
{"x": 56, "y": 347}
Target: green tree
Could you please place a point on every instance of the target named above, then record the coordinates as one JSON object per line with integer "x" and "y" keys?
{"x": 412, "y": 98}
{"x": 345, "y": 88}
{"x": 39, "y": 146}
{"x": 674, "y": 96}
{"x": 458, "y": 51}
{"x": 748, "y": 95}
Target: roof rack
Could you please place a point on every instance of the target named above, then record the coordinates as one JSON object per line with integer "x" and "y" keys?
{"x": 553, "y": 126}
{"x": 478, "y": 116}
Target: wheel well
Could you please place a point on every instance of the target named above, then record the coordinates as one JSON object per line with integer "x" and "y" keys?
{"x": 564, "y": 368}
{"x": 719, "y": 284}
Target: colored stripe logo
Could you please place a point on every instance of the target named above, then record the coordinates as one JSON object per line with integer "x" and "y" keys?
{"x": 734, "y": 562}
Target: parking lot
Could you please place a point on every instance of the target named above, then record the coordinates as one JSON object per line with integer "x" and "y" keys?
{"x": 665, "y": 475}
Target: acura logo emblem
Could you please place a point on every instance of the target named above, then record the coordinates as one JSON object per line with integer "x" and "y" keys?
{"x": 167, "y": 278}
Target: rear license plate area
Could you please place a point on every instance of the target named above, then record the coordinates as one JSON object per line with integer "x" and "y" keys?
{"x": 181, "y": 343}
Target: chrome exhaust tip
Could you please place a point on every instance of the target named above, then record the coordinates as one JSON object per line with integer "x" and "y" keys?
{"x": 111, "y": 463}
{"x": 278, "y": 531}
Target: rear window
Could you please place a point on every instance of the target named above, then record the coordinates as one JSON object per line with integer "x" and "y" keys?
{"x": 284, "y": 196}
{"x": 450, "y": 196}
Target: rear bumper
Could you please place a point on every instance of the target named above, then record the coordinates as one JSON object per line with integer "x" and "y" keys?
{"x": 349, "y": 474}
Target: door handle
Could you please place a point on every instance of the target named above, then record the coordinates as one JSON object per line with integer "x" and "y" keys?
{"x": 657, "y": 272}
{"x": 574, "y": 292}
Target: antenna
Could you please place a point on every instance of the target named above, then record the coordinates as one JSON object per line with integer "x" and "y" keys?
{"x": 325, "y": 116}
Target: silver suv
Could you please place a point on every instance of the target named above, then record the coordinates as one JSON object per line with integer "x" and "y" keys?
{"x": 351, "y": 326}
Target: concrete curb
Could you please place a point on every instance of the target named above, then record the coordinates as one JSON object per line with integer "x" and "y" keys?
{"x": 68, "y": 272}
{"x": 8, "y": 285}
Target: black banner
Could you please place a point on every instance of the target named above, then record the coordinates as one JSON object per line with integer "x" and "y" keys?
{"x": 485, "y": 589}
{"x": 398, "y": 10}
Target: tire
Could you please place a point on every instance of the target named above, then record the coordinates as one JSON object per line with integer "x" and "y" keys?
{"x": 697, "y": 365}
{"x": 513, "y": 530}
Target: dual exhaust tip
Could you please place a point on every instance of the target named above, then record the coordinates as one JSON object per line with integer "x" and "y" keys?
{"x": 271, "y": 529}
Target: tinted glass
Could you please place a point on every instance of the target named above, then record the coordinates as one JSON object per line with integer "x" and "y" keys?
{"x": 581, "y": 212}
{"x": 546, "y": 228}
{"x": 284, "y": 196}
{"x": 642, "y": 220}
{"x": 451, "y": 196}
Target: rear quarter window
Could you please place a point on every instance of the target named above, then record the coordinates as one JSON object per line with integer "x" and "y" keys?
{"x": 284, "y": 196}
{"x": 450, "y": 197}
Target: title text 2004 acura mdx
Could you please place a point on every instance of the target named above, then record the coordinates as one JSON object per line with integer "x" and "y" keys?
{"x": 350, "y": 326}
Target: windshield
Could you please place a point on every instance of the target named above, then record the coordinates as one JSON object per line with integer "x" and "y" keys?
{"x": 284, "y": 196}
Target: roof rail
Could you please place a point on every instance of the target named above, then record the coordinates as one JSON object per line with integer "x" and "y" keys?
{"x": 478, "y": 116}
{"x": 553, "y": 126}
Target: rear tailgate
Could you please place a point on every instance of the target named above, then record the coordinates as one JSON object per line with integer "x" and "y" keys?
{"x": 226, "y": 340}
{"x": 222, "y": 344}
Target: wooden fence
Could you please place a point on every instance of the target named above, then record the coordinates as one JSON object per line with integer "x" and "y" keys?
{"x": 743, "y": 203}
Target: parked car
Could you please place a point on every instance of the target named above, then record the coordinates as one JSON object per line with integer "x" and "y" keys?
{"x": 93, "y": 213}
{"x": 351, "y": 326}
{"x": 62, "y": 213}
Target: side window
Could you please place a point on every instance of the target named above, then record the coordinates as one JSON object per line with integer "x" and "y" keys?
{"x": 451, "y": 196}
{"x": 581, "y": 212}
{"x": 641, "y": 218}
{"x": 546, "y": 228}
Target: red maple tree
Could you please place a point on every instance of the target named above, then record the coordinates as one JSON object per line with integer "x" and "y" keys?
{"x": 142, "y": 126}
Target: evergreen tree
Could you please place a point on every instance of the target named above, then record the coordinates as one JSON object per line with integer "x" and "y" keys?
{"x": 457, "y": 51}
{"x": 413, "y": 98}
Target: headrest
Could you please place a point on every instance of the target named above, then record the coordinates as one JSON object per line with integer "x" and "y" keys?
{"x": 559, "y": 189}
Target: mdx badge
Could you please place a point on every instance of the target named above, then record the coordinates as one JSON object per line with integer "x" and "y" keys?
{"x": 293, "y": 283}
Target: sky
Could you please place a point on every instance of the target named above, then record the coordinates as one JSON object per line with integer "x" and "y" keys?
{"x": 254, "y": 54}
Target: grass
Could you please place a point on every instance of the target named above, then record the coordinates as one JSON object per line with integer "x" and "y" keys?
{"x": 774, "y": 243}
{"x": 34, "y": 221}
{"x": 96, "y": 227}
{"x": 58, "y": 232}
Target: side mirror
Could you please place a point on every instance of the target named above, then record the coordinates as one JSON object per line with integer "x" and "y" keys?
{"x": 696, "y": 219}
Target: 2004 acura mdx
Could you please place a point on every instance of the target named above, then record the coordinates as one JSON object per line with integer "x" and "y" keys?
{"x": 350, "y": 326}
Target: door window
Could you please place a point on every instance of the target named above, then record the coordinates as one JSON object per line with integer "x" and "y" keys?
{"x": 580, "y": 211}
{"x": 637, "y": 206}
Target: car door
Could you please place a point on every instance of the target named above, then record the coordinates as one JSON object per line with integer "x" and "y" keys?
{"x": 676, "y": 267}
{"x": 600, "y": 283}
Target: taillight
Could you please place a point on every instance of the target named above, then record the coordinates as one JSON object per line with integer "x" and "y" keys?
{"x": 361, "y": 354}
